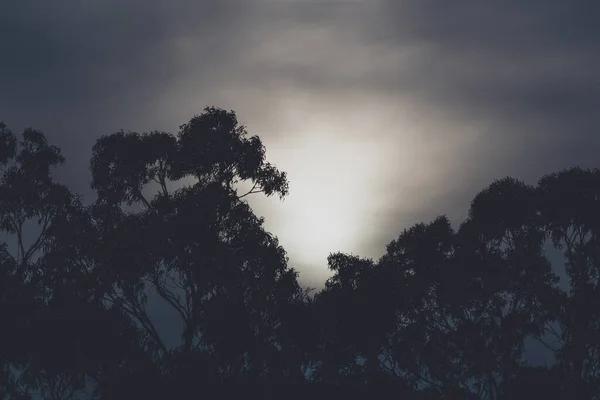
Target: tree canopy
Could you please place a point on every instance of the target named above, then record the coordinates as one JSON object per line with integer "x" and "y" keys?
{"x": 445, "y": 313}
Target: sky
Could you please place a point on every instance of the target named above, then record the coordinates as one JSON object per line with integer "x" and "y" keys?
{"x": 383, "y": 113}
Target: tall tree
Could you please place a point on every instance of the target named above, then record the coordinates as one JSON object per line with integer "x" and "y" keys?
{"x": 194, "y": 241}
{"x": 442, "y": 309}
{"x": 380, "y": 318}
{"x": 443, "y": 314}
{"x": 569, "y": 208}
{"x": 30, "y": 203}
{"x": 514, "y": 293}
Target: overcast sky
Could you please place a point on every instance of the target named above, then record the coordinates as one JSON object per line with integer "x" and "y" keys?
{"x": 384, "y": 113}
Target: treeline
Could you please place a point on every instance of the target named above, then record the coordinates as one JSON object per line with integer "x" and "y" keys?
{"x": 444, "y": 314}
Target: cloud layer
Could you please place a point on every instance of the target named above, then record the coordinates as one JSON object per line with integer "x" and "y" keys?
{"x": 384, "y": 113}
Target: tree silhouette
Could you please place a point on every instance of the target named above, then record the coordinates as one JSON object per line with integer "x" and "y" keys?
{"x": 516, "y": 285}
{"x": 444, "y": 314}
{"x": 442, "y": 309}
{"x": 28, "y": 196}
{"x": 198, "y": 247}
{"x": 569, "y": 209}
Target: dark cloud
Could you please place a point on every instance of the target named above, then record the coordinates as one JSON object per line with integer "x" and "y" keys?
{"x": 525, "y": 75}
{"x": 81, "y": 69}
{"x": 451, "y": 96}
{"x": 513, "y": 59}
{"x": 385, "y": 113}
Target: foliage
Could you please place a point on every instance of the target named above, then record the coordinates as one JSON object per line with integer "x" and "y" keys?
{"x": 445, "y": 313}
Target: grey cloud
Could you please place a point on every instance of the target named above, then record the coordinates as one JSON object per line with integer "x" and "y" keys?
{"x": 507, "y": 60}
{"x": 452, "y": 94}
{"x": 81, "y": 69}
{"x": 525, "y": 72}
{"x": 465, "y": 92}
{"x": 91, "y": 54}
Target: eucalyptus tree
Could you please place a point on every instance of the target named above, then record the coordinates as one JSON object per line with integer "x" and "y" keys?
{"x": 442, "y": 309}
{"x": 514, "y": 289}
{"x": 171, "y": 224}
{"x": 569, "y": 208}
{"x": 381, "y": 321}
{"x": 51, "y": 328}
{"x": 30, "y": 203}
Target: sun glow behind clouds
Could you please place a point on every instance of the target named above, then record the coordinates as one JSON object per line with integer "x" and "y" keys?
{"x": 323, "y": 211}
{"x": 336, "y": 188}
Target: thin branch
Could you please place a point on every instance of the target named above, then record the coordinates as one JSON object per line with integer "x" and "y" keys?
{"x": 143, "y": 199}
{"x": 569, "y": 241}
{"x": 426, "y": 380}
{"x": 546, "y": 345}
{"x": 550, "y": 329}
{"x": 145, "y": 319}
{"x": 162, "y": 175}
{"x": 19, "y": 229}
{"x": 142, "y": 318}
{"x": 169, "y": 298}
{"x": 251, "y": 191}
{"x": 35, "y": 246}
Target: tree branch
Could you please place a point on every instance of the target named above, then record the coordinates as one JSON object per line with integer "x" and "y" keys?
{"x": 161, "y": 176}
{"x": 35, "y": 246}
{"x": 251, "y": 191}
{"x": 169, "y": 298}
{"x": 546, "y": 345}
{"x": 142, "y": 317}
{"x": 19, "y": 229}
{"x": 143, "y": 200}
